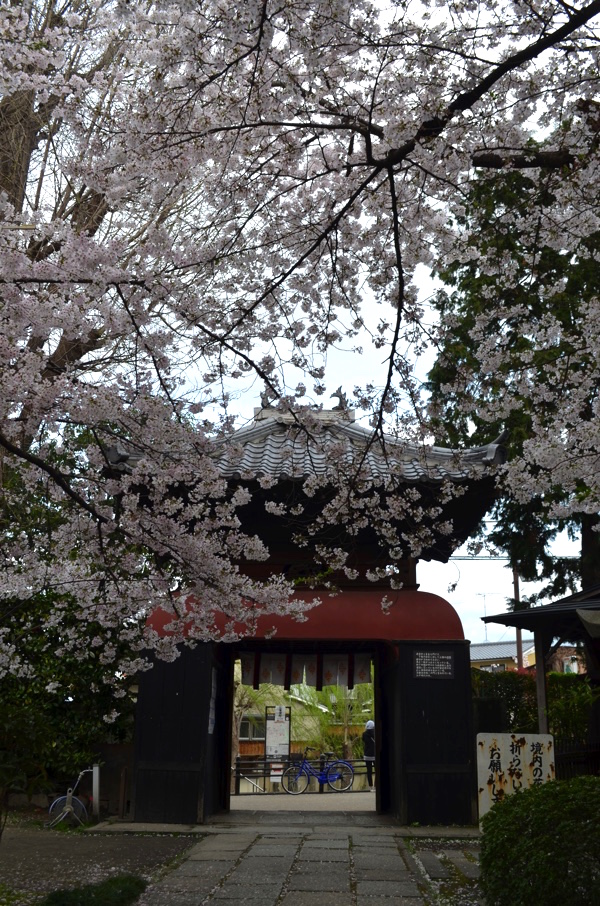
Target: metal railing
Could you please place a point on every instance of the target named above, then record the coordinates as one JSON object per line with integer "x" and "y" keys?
{"x": 255, "y": 774}
{"x": 572, "y": 757}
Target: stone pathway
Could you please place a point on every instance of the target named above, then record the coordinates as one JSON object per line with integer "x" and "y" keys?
{"x": 333, "y": 866}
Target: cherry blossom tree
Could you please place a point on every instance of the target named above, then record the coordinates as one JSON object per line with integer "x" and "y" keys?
{"x": 193, "y": 194}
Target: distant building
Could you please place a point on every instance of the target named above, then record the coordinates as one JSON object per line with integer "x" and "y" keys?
{"x": 498, "y": 656}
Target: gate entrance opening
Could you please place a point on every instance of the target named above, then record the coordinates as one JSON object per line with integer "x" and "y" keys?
{"x": 285, "y": 702}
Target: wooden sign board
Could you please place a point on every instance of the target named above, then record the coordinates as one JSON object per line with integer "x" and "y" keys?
{"x": 509, "y": 762}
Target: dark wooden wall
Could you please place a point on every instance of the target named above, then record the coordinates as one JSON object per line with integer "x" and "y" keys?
{"x": 427, "y": 757}
{"x": 183, "y": 727}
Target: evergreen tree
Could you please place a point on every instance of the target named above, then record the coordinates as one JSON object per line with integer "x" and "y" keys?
{"x": 535, "y": 315}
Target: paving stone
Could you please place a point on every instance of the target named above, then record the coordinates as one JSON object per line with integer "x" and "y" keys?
{"x": 372, "y": 852}
{"x": 280, "y": 838}
{"x": 322, "y": 869}
{"x": 469, "y": 869}
{"x": 436, "y": 869}
{"x": 328, "y": 843}
{"x": 243, "y": 893}
{"x": 311, "y": 898}
{"x": 256, "y": 860}
{"x": 261, "y": 870}
{"x": 383, "y": 874}
{"x": 377, "y": 860}
{"x": 272, "y": 849}
{"x": 261, "y": 875}
{"x": 241, "y": 875}
{"x": 240, "y": 895}
{"x": 157, "y": 898}
{"x": 389, "y": 901}
{"x": 387, "y": 888}
{"x": 373, "y": 842}
{"x": 316, "y": 881}
{"x": 225, "y": 844}
{"x": 332, "y": 855}
{"x": 330, "y": 833}
{"x": 372, "y": 836}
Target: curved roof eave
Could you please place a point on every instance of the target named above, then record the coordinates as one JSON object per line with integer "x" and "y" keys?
{"x": 352, "y": 615}
{"x": 274, "y": 446}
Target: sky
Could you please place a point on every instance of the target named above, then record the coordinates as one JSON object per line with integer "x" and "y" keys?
{"x": 482, "y": 589}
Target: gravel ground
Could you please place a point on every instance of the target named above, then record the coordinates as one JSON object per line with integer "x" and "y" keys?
{"x": 35, "y": 861}
{"x": 457, "y": 889}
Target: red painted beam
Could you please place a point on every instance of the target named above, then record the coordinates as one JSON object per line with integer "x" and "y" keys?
{"x": 355, "y": 615}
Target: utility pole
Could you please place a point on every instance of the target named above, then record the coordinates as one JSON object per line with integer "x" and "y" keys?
{"x": 517, "y": 597}
{"x": 483, "y": 595}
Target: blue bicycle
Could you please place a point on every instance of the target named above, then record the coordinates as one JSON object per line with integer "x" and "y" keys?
{"x": 339, "y": 775}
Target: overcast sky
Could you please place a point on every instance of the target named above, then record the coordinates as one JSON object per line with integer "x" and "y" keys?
{"x": 483, "y": 587}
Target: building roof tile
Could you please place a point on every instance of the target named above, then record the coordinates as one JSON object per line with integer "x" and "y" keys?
{"x": 497, "y": 651}
{"x": 275, "y": 445}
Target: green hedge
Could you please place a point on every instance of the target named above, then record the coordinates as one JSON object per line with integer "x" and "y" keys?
{"x": 518, "y": 695}
{"x": 571, "y": 698}
{"x": 122, "y": 890}
{"x": 543, "y": 846}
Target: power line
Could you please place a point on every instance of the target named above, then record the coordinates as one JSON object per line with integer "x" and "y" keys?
{"x": 562, "y": 557}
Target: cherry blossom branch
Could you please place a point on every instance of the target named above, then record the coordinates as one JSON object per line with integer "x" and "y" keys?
{"x": 433, "y": 127}
{"x": 58, "y": 477}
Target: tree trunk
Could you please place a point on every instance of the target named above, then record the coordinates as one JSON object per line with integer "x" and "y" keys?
{"x": 590, "y": 550}
{"x": 19, "y": 127}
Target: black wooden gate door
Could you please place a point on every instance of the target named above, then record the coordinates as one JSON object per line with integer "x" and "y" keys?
{"x": 427, "y": 747}
{"x": 183, "y": 728}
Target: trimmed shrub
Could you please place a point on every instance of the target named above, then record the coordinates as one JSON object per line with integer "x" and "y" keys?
{"x": 517, "y": 693}
{"x": 571, "y": 698}
{"x": 542, "y": 845}
{"x": 122, "y": 890}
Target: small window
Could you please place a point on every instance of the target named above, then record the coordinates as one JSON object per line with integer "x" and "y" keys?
{"x": 252, "y": 727}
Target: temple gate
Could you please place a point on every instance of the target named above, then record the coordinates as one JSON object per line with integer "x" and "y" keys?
{"x": 425, "y": 759}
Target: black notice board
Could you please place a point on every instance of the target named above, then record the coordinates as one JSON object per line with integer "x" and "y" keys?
{"x": 428, "y": 664}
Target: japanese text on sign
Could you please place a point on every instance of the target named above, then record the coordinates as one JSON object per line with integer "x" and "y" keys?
{"x": 277, "y": 731}
{"x": 434, "y": 665}
{"x": 507, "y": 763}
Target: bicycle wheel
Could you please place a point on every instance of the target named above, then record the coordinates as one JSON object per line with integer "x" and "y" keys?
{"x": 57, "y": 812}
{"x": 294, "y": 780}
{"x": 340, "y": 776}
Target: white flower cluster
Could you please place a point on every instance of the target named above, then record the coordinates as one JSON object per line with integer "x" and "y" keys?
{"x": 193, "y": 195}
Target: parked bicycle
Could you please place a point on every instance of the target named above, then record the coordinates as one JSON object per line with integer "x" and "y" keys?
{"x": 338, "y": 775}
{"x": 69, "y": 807}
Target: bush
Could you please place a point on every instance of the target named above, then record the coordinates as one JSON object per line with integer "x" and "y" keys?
{"x": 517, "y": 693}
{"x": 120, "y": 891}
{"x": 570, "y": 701}
{"x": 571, "y": 698}
{"x": 542, "y": 845}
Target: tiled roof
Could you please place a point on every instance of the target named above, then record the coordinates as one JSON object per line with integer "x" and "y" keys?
{"x": 273, "y": 445}
{"x": 497, "y": 651}
{"x": 564, "y": 619}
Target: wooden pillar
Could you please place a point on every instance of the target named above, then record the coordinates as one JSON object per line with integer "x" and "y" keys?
{"x": 427, "y": 759}
{"x": 517, "y": 597}
{"x": 541, "y": 647}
